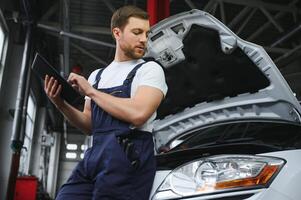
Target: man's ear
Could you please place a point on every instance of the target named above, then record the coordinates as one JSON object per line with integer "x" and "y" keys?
{"x": 116, "y": 33}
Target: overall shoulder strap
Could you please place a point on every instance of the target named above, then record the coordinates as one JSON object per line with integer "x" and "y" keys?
{"x": 97, "y": 78}
{"x": 132, "y": 74}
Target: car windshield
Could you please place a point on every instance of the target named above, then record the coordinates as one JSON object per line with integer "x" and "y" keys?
{"x": 281, "y": 135}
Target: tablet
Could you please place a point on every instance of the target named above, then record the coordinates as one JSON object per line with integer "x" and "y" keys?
{"x": 41, "y": 67}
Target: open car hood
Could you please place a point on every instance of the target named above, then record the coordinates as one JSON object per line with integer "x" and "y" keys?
{"x": 214, "y": 76}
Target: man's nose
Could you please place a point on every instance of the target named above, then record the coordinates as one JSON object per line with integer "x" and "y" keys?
{"x": 143, "y": 38}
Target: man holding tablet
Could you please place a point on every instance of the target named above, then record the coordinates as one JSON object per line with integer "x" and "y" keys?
{"x": 120, "y": 106}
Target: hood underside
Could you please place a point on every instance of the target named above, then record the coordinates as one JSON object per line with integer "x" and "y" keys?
{"x": 204, "y": 61}
{"x": 214, "y": 76}
{"x": 207, "y": 73}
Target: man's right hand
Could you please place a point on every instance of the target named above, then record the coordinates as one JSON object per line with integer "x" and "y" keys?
{"x": 53, "y": 90}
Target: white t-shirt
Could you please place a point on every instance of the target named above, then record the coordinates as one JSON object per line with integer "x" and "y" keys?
{"x": 149, "y": 74}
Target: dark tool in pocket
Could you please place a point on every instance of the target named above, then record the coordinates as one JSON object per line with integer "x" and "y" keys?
{"x": 129, "y": 149}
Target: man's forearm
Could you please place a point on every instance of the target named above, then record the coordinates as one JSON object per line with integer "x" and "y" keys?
{"x": 135, "y": 110}
{"x": 77, "y": 118}
{"x": 121, "y": 108}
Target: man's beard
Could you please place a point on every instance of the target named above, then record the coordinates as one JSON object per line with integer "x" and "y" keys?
{"x": 131, "y": 53}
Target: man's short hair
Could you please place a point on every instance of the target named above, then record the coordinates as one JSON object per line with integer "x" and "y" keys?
{"x": 121, "y": 16}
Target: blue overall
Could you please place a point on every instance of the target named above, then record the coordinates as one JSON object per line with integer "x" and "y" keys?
{"x": 109, "y": 171}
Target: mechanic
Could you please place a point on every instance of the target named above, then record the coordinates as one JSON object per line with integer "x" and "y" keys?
{"x": 120, "y": 106}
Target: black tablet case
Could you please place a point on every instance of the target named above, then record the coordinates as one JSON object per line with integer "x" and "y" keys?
{"x": 41, "y": 67}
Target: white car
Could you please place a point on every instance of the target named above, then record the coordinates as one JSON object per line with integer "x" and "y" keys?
{"x": 240, "y": 135}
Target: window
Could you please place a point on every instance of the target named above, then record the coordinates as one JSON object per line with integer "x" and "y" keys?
{"x": 3, "y": 38}
{"x": 71, "y": 146}
{"x": 3, "y": 44}
{"x": 26, "y": 151}
{"x": 83, "y": 147}
{"x": 71, "y": 155}
{"x": 1, "y": 41}
{"x": 75, "y": 152}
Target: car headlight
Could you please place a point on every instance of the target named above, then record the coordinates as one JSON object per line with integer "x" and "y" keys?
{"x": 218, "y": 174}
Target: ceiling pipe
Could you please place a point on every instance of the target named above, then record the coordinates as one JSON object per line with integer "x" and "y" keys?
{"x": 109, "y": 5}
{"x": 267, "y": 24}
{"x": 66, "y": 40}
{"x": 287, "y": 36}
{"x": 87, "y": 53}
{"x": 190, "y": 4}
{"x": 75, "y": 36}
{"x": 272, "y": 20}
{"x": 286, "y": 55}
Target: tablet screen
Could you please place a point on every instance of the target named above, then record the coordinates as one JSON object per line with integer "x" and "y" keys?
{"x": 41, "y": 67}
